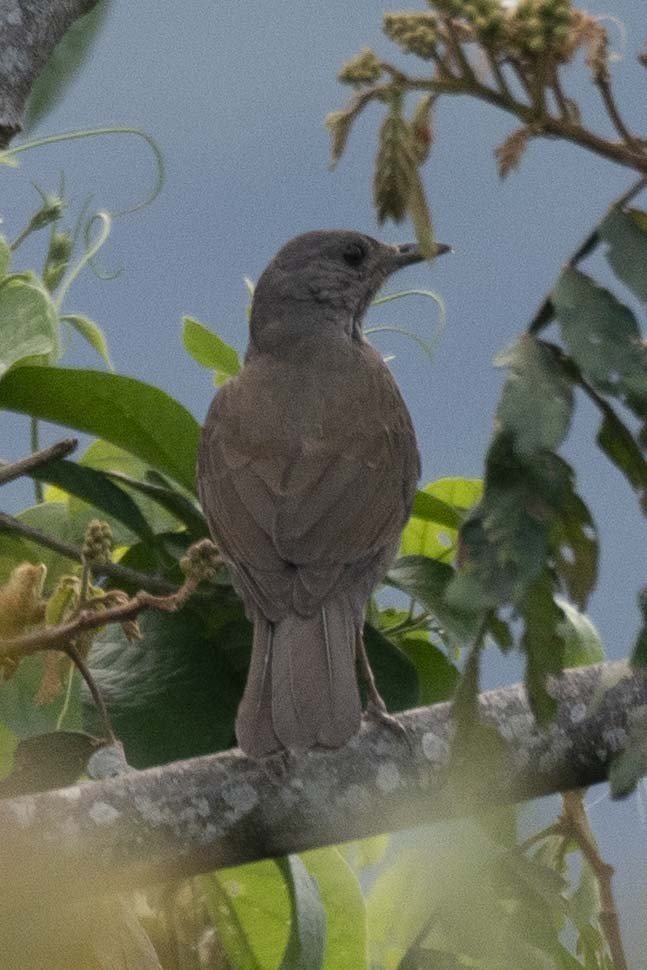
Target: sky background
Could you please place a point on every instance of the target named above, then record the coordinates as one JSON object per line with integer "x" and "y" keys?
{"x": 235, "y": 95}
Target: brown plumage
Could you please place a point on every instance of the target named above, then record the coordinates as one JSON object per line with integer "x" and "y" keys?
{"x": 307, "y": 471}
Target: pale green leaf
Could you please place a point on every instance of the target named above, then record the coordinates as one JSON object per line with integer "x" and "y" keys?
{"x": 28, "y": 322}
{"x": 208, "y": 349}
{"x": 91, "y": 332}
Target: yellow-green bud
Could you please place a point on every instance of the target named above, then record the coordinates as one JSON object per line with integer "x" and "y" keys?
{"x": 363, "y": 69}
{"x": 97, "y": 543}
{"x": 416, "y": 33}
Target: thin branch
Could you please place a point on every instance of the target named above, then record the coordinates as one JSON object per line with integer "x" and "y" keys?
{"x": 223, "y": 810}
{"x": 24, "y": 466}
{"x": 57, "y": 637}
{"x": 154, "y": 584}
{"x": 575, "y": 820}
{"x": 606, "y": 93}
{"x": 75, "y": 656}
{"x": 546, "y": 311}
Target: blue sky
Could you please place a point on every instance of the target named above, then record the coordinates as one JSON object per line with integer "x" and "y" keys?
{"x": 235, "y": 95}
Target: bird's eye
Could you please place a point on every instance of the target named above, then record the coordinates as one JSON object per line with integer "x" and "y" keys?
{"x": 353, "y": 254}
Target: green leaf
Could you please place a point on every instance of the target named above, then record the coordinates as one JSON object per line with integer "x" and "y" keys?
{"x": 625, "y": 231}
{"x": 395, "y": 674}
{"x": 437, "y": 676}
{"x": 64, "y": 64}
{"x": 639, "y": 656}
{"x": 537, "y": 400}
{"x": 208, "y": 349}
{"x": 575, "y": 548}
{"x": 582, "y": 643}
{"x": 28, "y": 322}
{"x": 620, "y": 447}
{"x": 96, "y": 489}
{"x": 543, "y": 645}
{"x": 5, "y": 256}
{"x": 51, "y": 518}
{"x": 306, "y": 943}
{"x": 603, "y": 338}
{"x": 8, "y": 744}
{"x": 126, "y": 469}
{"x": 345, "y": 909}
{"x": 438, "y": 512}
{"x": 250, "y": 909}
{"x": 138, "y": 417}
{"x": 91, "y": 332}
{"x": 45, "y": 761}
{"x": 177, "y": 504}
{"x": 175, "y": 694}
{"x": 427, "y": 581}
{"x": 18, "y": 709}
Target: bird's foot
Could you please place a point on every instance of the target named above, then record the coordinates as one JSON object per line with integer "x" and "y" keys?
{"x": 378, "y": 713}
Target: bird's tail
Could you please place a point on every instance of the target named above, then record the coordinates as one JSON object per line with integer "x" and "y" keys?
{"x": 301, "y": 690}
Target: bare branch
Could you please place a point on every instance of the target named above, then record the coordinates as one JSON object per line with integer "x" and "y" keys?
{"x": 222, "y": 810}
{"x": 154, "y": 584}
{"x": 24, "y": 466}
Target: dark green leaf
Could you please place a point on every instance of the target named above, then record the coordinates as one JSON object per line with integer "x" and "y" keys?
{"x": 174, "y": 502}
{"x": 395, "y": 674}
{"x": 432, "y": 509}
{"x": 543, "y": 645}
{"x": 437, "y": 676}
{"x": 603, "y": 338}
{"x": 46, "y": 761}
{"x": 64, "y": 64}
{"x": 537, "y": 400}
{"x": 95, "y": 488}
{"x": 175, "y": 694}
{"x": 627, "y": 249}
{"x": 619, "y": 445}
{"x": 8, "y": 744}
{"x": 138, "y": 417}
{"x": 208, "y": 349}
{"x": 575, "y": 543}
{"x": 427, "y": 581}
{"x": 630, "y": 765}
{"x": 639, "y": 656}
{"x": 307, "y": 940}
{"x": 28, "y": 322}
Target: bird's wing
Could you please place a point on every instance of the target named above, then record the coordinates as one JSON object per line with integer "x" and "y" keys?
{"x": 296, "y": 512}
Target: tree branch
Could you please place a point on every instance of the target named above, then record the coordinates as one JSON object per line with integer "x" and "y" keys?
{"x": 24, "y": 466}
{"x": 29, "y": 32}
{"x": 222, "y": 810}
{"x": 154, "y": 584}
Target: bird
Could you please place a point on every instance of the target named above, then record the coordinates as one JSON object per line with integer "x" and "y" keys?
{"x": 307, "y": 470}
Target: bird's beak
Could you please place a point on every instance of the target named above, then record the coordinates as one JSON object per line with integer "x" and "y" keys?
{"x": 408, "y": 253}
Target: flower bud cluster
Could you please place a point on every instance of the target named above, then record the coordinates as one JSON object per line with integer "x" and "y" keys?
{"x": 97, "y": 543}
{"x": 201, "y": 561}
{"x": 416, "y": 33}
{"x": 364, "y": 69}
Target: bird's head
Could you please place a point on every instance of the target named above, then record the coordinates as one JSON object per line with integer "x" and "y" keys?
{"x": 323, "y": 282}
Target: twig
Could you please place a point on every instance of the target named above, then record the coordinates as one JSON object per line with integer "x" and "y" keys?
{"x": 56, "y": 637}
{"x": 575, "y": 819}
{"x": 24, "y": 466}
{"x": 73, "y": 653}
{"x": 153, "y": 584}
{"x": 546, "y": 311}
{"x": 606, "y": 93}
